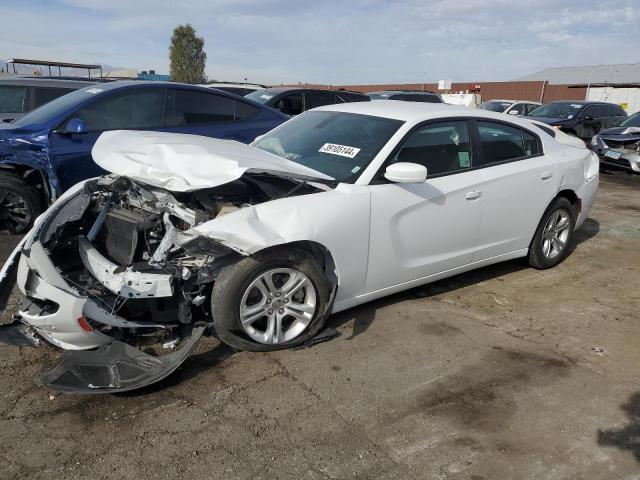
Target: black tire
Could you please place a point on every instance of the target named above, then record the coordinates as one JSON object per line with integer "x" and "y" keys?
{"x": 537, "y": 258}
{"x": 20, "y": 204}
{"x": 234, "y": 280}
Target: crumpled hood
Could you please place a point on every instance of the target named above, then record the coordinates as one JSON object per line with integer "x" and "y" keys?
{"x": 182, "y": 163}
{"x": 630, "y": 134}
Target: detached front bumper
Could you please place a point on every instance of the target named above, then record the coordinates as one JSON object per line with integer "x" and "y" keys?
{"x": 52, "y": 306}
{"x": 59, "y": 314}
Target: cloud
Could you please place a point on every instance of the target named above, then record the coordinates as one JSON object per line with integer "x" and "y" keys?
{"x": 362, "y": 41}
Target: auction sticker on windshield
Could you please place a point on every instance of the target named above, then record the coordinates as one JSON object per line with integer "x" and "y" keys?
{"x": 342, "y": 150}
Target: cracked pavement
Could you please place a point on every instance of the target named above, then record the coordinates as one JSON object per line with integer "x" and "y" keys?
{"x": 505, "y": 372}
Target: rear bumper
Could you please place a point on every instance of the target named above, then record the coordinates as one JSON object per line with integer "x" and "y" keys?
{"x": 587, "y": 194}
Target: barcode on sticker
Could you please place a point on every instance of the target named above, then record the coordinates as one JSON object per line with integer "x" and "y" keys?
{"x": 342, "y": 150}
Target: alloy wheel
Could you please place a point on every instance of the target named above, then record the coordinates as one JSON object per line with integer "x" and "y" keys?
{"x": 277, "y": 306}
{"x": 15, "y": 212}
{"x": 555, "y": 234}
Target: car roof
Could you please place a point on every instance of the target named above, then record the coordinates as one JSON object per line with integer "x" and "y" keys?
{"x": 277, "y": 90}
{"x": 415, "y": 111}
{"x": 45, "y": 82}
{"x": 239, "y": 85}
{"x": 105, "y": 87}
{"x": 412, "y": 92}
{"x": 582, "y": 102}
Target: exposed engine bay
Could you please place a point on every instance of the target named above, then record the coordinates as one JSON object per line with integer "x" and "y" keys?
{"x": 125, "y": 247}
{"x": 129, "y": 255}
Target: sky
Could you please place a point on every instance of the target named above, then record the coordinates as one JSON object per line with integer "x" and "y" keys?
{"x": 331, "y": 42}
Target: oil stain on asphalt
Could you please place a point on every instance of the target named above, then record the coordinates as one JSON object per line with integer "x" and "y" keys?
{"x": 480, "y": 396}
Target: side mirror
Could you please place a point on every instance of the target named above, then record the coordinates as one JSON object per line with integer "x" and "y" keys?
{"x": 587, "y": 118}
{"x": 514, "y": 112}
{"x": 403, "y": 172}
{"x": 76, "y": 125}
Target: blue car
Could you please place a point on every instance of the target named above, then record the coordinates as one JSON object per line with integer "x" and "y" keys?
{"x": 48, "y": 150}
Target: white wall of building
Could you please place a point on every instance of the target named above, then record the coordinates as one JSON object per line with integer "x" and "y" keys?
{"x": 621, "y": 96}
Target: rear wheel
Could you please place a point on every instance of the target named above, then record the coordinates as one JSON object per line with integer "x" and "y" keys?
{"x": 19, "y": 204}
{"x": 550, "y": 244}
{"x": 270, "y": 301}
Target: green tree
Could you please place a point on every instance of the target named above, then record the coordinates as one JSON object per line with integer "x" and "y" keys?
{"x": 187, "y": 55}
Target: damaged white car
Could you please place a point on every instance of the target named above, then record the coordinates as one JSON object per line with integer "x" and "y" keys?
{"x": 259, "y": 244}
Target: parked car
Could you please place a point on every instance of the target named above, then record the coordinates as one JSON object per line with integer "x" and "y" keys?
{"x": 583, "y": 119}
{"x": 48, "y": 150}
{"x": 510, "y": 107}
{"x": 294, "y": 101}
{"x": 241, "y": 89}
{"x": 21, "y": 95}
{"x": 337, "y": 207}
{"x": 619, "y": 147}
{"x": 407, "y": 96}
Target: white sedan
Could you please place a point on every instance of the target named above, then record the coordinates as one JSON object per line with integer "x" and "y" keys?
{"x": 260, "y": 244}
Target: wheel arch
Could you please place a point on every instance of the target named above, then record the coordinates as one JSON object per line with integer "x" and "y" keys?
{"x": 318, "y": 252}
{"x": 570, "y": 195}
{"x": 34, "y": 177}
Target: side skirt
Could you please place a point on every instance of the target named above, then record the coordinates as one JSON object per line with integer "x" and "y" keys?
{"x": 367, "y": 297}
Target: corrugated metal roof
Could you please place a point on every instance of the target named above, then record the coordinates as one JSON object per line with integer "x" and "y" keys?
{"x": 628, "y": 73}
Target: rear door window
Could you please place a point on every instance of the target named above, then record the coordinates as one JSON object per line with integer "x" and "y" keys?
{"x": 134, "y": 108}
{"x": 244, "y": 111}
{"x": 501, "y": 143}
{"x": 188, "y": 107}
{"x": 614, "y": 111}
{"x": 593, "y": 111}
{"x": 13, "y": 99}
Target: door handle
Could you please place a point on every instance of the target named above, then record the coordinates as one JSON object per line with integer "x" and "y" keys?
{"x": 473, "y": 195}
{"x": 546, "y": 175}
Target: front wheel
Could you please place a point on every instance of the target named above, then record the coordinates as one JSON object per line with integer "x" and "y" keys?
{"x": 270, "y": 301}
{"x": 19, "y": 204}
{"x": 550, "y": 244}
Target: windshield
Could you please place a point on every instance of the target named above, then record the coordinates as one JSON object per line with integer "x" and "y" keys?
{"x": 12, "y": 99}
{"x": 55, "y": 107}
{"x": 632, "y": 121}
{"x": 260, "y": 96}
{"x": 566, "y": 110}
{"x": 495, "y": 106}
{"x": 337, "y": 144}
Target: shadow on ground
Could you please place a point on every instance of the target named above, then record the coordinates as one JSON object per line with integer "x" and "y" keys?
{"x": 363, "y": 316}
{"x": 628, "y": 437}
